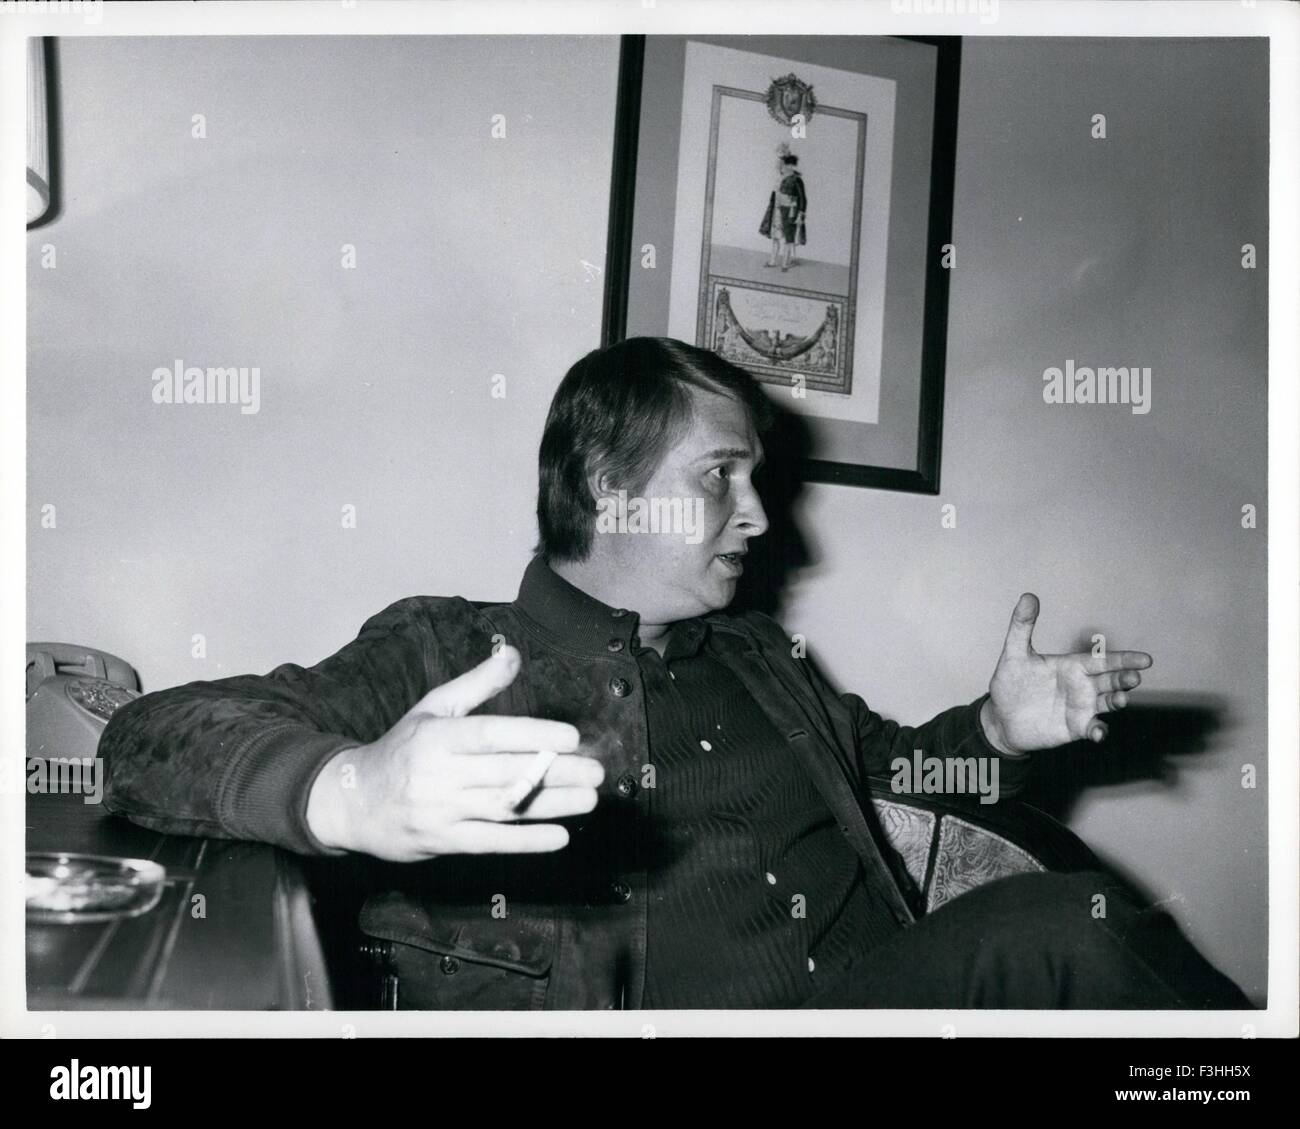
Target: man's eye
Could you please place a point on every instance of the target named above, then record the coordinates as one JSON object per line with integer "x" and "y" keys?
{"x": 721, "y": 472}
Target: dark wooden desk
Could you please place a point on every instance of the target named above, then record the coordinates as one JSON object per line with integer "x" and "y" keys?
{"x": 256, "y": 948}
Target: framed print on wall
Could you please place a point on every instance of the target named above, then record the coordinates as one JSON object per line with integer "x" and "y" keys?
{"x": 785, "y": 202}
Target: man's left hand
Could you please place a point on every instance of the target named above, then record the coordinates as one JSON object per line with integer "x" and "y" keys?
{"x": 1041, "y": 701}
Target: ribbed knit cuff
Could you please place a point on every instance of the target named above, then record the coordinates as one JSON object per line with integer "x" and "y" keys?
{"x": 1015, "y": 769}
{"x": 263, "y": 795}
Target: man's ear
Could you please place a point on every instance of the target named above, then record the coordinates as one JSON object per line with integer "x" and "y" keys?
{"x": 600, "y": 483}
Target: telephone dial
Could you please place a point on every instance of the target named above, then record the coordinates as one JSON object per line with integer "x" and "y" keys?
{"x": 72, "y": 691}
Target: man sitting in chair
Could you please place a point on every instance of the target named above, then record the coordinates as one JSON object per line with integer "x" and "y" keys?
{"x": 612, "y": 793}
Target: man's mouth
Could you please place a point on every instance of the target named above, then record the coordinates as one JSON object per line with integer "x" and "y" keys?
{"x": 732, "y": 562}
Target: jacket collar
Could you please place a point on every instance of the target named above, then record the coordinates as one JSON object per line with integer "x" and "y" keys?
{"x": 579, "y": 622}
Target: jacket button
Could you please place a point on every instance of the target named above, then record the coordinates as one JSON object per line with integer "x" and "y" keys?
{"x": 622, "y": 892}
{"x": 450, "y": 965}
{"x": 614, "y": 645}
{"x": 618, "y": 613}
{"x": 620, "y": 687}
{"x": 626, "y": 786}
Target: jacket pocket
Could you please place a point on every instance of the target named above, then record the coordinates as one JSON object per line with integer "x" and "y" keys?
{"x": 458, "y": 957}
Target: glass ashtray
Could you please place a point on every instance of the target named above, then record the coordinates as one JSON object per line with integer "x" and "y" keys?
{"x": 66, "y": 889}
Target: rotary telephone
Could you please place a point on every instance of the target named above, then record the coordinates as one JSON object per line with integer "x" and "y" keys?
{"x": 71, "y": 693}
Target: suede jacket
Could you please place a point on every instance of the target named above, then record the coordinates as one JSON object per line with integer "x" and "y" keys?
{"x": 236, "y": 758}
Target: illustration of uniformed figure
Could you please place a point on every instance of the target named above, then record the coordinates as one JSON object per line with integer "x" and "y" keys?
{"x": 787, "y": 206}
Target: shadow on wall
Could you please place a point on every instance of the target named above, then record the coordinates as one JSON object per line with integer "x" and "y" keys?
{"x": 1156, "y": 741}
{"x": 784, "y": 549}
{"x": 1149, "y": 740}
{"x": 1151, "y": 748}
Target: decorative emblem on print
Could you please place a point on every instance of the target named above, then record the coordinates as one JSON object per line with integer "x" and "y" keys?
{"x": 773, "y": 356}
{"x": 789, "y": 96}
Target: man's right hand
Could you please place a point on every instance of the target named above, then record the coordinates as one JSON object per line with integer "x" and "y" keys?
{"x": 438, "y": 782}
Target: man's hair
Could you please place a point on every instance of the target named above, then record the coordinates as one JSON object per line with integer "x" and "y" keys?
{"x": 619, "y": 410}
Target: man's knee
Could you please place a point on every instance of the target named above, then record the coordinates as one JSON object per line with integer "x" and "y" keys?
{"x": 1065, "y": 938}
{"x": 1079, "y": 914}
{"x": 1069, "y": 897}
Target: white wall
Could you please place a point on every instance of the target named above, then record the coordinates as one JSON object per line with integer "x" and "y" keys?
{"x": 376, "y": 383}
{"x": 1123, "y": 251}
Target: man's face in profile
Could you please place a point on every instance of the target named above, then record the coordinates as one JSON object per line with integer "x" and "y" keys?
{"x": 692, "y": 567}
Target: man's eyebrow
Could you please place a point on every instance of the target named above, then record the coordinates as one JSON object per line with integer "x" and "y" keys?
{"x": 730, "y": 453}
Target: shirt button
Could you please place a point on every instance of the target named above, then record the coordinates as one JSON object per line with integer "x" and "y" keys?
{"x": 622, "y": 892}
{"x": 620, "y": 687}
{"x": 812, "y": 965}
{"x": 771, "y": 878}
{"x": 614, "y": 645}
{"x": 626, "y": 786}
{"x": 450, "y": 965}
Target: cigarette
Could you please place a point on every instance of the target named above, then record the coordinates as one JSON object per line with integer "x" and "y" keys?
{"x": 527, "y": 784}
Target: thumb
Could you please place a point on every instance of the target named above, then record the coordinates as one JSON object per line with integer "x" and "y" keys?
{"x": 1020, "y": 633}
{"x": 461, "y": 695}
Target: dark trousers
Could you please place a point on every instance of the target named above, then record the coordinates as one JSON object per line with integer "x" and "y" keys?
{"x": 1036, "y": 941}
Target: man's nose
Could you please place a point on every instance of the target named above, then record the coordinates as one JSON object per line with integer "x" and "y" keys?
{"x": 750, "y": 517}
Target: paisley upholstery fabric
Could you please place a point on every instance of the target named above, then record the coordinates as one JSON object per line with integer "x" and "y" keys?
{"x": 910, "y": 831}
{"x": 967, "y": 855}
{"x": 970, "y": 856}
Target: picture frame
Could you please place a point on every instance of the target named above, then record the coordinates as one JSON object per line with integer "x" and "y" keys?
{"x": 824, "y": 276}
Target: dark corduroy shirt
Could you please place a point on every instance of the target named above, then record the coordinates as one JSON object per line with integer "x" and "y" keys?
{"x": 664, "y": 871}
{"x": 756, "y": 898}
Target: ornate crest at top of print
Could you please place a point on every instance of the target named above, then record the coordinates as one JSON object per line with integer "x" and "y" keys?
{"x": 789, "y": 96}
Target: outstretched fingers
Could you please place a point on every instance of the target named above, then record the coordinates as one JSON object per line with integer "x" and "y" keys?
{"x": 1116, "y": 680}
{"x": 1118, "y": 660}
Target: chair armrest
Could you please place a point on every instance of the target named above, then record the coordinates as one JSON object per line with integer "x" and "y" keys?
{"x": 949, "y": 847}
